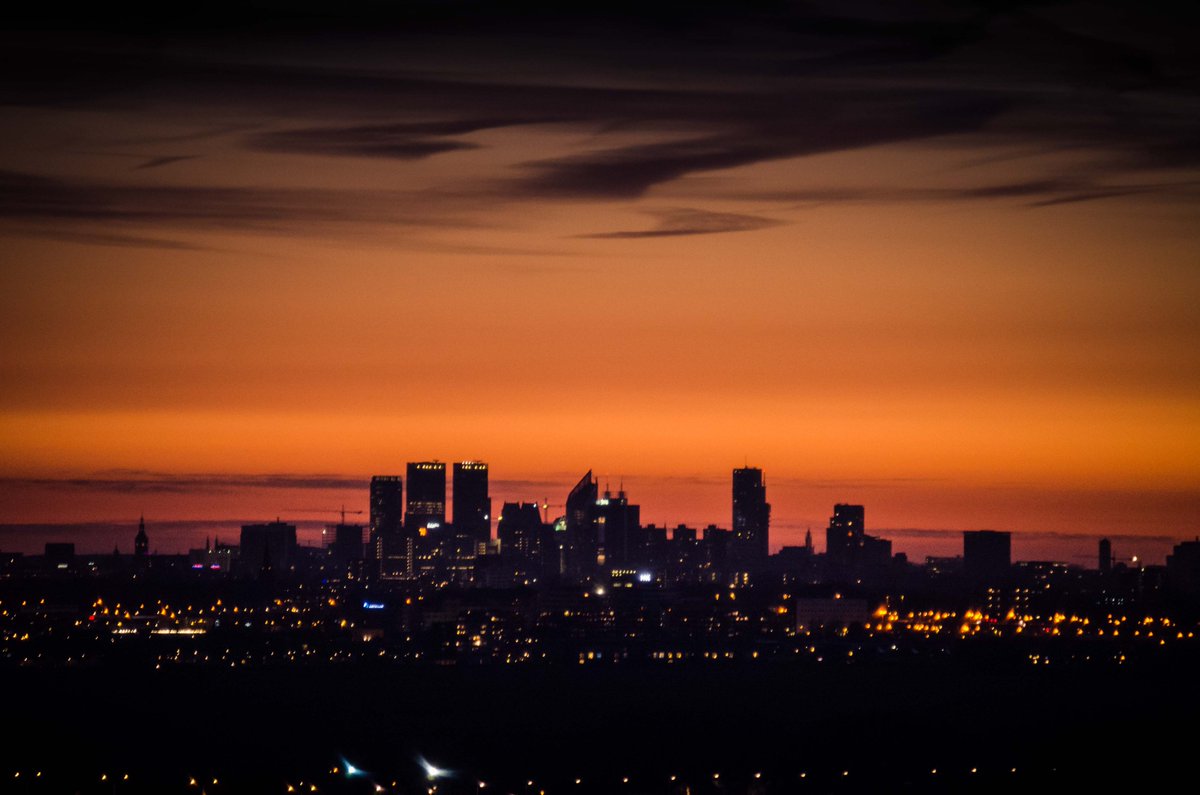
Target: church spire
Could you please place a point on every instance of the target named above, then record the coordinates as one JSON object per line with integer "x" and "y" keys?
{"x": 141, "y": 542}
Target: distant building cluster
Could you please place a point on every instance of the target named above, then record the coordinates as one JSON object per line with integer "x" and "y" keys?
{"x": 586, "y": 584}
{"x": 597, "y": 539}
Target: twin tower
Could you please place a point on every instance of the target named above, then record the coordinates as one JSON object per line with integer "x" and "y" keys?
{"x": 411, "y": 537}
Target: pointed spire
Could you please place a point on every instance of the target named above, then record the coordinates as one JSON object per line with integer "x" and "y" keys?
{"x": 141, "y": 542}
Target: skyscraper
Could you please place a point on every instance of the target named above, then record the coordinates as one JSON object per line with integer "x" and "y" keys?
{"x": 583, "y": 541}
{"x": 387, "y": 504}
{"x": 389, "y": 545}
{"x": 426, "y": 506}
{"x": 425, "y": 521}
{"x": 472, "y": 505}
{"x": 751, "y": 519}
{"x": 519, "y": 529}
{"x": 844, "y": 536}
{"x": 987, "y": 555}
{"x": 619, "y": 531}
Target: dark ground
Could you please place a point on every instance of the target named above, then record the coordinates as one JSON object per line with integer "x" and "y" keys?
{"x": 1089, "y": 729}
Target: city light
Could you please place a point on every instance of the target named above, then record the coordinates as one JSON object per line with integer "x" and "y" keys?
{"x": 432, "y": 772}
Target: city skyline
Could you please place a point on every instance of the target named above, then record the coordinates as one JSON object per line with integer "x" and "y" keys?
{"x": 353, "y": 497}
{"x": 685, "y": 397}
{"x": 939, "y": 260}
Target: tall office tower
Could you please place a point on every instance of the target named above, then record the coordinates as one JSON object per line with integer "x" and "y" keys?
{"x": 519, "y": 530}
{"x": 987, "y": 555}
{"x": 1106, "y": 559}
{"x": 844, "y": 536}
{"x": 425, "y": 521}
{"x": 141, "y": 542}
{"x": 472, "y": 505}
{"x": 346, "y": 549}
{"x": 619, "y": 531}
{"x": 389, "y": 545}
{"x": 751, "y": 519}
{"x": 426, "y": 506}
{"x": 583, "y": 540}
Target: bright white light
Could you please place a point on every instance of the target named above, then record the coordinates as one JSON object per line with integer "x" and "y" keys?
{"x": 433, "y": 772}
{"x": 351, "y": 770}
{"x": 645, "y": 576}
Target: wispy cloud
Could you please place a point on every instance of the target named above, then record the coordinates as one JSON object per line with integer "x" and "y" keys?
{"x": 400, "y": 140}
{"x": 648, "y": 98}
{"x": 282, "y": 210}
{"x": 140, "y": 482}
{"x": 686, "y": 221}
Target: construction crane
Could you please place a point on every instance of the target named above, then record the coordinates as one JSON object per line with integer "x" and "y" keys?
{"x": 546, "y": 506}
{"x": 341, "y": 511}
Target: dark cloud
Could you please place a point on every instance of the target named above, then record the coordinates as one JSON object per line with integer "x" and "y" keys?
{"x": 404, "y": 141}
{"x": 1035, "y": 193}
{"x": 137, "y": 482}
{"x": 159, "y": 162}
{"x": 685, "y": 221}
{"x": 699, "y": 87}
{"x": 95, "y": 238}
{"x": 26, "y": 197}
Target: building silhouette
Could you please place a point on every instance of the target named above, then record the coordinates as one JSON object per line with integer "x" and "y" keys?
{"x": 268, "y": 549}
{"x": 619, "y": 529}
{"x": 519, "y": 529}
{"x": 426, "y": 504}
{"x": 844, "y": 536}
{"x": 583, "y": 542}
{"x": 346, "y": 551}
{"x": 987, "y": 555}
{"x": 390, "y": 547}
{"x": 749, "y": 544}
{"x": 425, "y": 521}
{"x": 472, "y": 505}
{"x": 1106, "y": 558}
{"x": 1183, "y": 571}
{"x": 141, "y": 542}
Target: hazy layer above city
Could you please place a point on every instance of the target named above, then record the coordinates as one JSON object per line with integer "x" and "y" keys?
{"x": 941, "y": 263}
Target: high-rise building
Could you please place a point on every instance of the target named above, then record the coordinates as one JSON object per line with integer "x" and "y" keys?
{"x": 1106, "y": 559}
{"x": 471, "y": 502}
{"x": 583, "y": 538}
{"x": 844, "y": 536}
{"x": 346, "y": 549}
{"x": 426, "y": 505}
{"x": 390, "y": 547}
{"x": 987, "y": 555}
{"x": 751, "y": 519}
{"x": 425, "y": 521}
{"x": 1183, "y": 571}
{"x": 618, "y": 526}
{"x": 387, "y": 503}
{"x": 519, "y": 529}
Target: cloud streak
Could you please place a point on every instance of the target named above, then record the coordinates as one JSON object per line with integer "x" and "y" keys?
{"x": 686, "y": 221}
{"x": 648, "y": 99}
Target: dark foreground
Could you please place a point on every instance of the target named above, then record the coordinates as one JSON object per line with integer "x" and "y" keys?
{"x": 830, "y": 729}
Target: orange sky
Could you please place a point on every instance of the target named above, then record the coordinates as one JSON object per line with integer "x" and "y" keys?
{"x": 966, "y": 327}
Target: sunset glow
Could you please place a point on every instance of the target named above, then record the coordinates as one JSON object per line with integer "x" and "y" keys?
{"x": 240, "y": 273}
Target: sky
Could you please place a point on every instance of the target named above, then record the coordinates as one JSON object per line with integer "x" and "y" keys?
{"x": 941, "y": 259}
